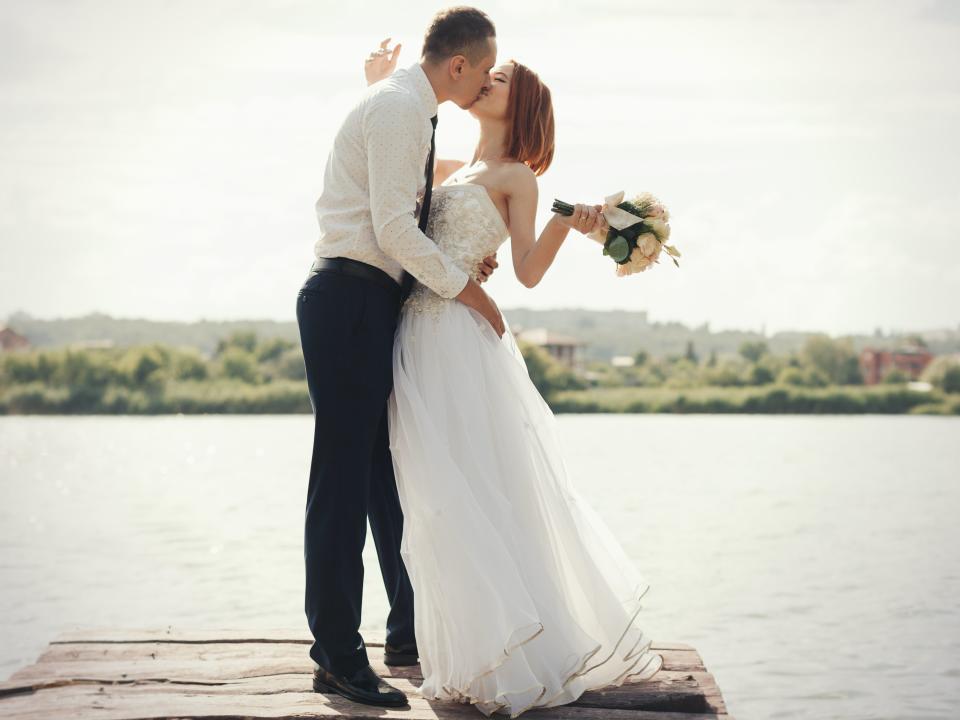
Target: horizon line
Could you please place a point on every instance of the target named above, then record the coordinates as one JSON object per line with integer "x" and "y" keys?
{"x": 706, "y": 324}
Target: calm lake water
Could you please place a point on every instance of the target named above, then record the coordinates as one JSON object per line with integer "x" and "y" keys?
{"x": 812, "y": 560}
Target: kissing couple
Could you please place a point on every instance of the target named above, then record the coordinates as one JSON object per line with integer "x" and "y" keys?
{"x": 504, "y": 584}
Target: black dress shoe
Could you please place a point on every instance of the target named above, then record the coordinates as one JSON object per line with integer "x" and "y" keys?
{"x": 405, "y": 654}
{"x": 363, "y": 686}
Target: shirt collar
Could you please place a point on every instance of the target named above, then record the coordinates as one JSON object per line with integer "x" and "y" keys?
{"x": 423, "y": 88}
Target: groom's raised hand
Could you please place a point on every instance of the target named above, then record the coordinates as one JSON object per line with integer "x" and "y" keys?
{"x": 487, "y": 267}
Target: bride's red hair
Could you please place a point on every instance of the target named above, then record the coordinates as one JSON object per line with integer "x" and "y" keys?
{"x": 529, "y": 120}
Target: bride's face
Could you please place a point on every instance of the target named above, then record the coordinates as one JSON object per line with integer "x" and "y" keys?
{"x": 493, "y": 102}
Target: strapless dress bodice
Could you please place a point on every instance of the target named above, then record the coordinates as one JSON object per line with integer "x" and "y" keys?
{"x": 467, "y": 226}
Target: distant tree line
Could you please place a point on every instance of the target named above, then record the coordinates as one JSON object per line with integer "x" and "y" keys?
{"x": 247, "y": 374}
{"x": 823, "y": 376}
{"x": 244, "y": 374}
{"x": 606, "y": 333}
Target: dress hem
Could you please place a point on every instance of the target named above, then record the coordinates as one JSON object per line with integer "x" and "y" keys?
{"x": 462, "y": 695}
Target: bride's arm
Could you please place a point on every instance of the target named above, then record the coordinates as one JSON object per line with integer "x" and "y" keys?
{"x": 532, "y": 258}
{"x": 381, "y": 62}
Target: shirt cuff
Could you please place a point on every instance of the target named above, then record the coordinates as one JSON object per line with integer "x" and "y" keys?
{"x": 458, "y": 281}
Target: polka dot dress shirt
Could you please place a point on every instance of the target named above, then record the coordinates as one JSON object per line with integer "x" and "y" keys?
{"x": 374, "y": 182}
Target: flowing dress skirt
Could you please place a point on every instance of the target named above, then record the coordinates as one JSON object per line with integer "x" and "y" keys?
{"x": 522, "y": 596}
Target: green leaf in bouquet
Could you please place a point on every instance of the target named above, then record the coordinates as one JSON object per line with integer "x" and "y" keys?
{"x": 672, "y": 250}
{"x": 631, "y": 208}
{"x": 675, "y": 261}
{"x": 619, "y": 248}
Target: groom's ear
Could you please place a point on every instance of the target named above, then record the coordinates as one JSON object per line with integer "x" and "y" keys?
{"x": 457, "y": 65}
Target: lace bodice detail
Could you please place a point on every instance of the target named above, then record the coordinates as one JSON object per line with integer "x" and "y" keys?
{"x": 467, "y": 226}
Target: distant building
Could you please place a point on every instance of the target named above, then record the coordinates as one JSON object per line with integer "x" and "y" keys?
{"x": 12, "y": 340}
{"x": 911, "y": 361}
{"x": 562, "y": 348}
{"x": 623, "y": 361}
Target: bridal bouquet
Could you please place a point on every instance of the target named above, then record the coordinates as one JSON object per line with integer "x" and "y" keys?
{"x": 633, "y": 232}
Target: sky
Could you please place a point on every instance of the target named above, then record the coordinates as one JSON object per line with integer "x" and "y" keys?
{"x": 161, "y": 160}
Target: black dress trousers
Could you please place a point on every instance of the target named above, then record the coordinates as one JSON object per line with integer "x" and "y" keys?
{"x": 347, "y": 325}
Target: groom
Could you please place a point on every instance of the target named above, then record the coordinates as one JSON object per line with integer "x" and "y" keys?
{"x": 370, "y": 249}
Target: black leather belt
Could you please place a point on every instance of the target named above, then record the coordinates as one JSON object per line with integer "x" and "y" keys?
{"x": 349, "y": 266}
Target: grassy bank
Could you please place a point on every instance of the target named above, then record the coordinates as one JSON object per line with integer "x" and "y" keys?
{"x": 289, "y": 396}
{"x": 770, "y": 399}
{"x": 189, "y": 397}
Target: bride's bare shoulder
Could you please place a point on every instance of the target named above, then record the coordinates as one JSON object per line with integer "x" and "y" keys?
{"x": 520, "y": 179}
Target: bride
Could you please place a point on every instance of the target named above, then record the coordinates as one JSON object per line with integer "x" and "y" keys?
{"x": 522, "y": 596}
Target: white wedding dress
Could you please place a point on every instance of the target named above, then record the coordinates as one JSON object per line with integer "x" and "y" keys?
{"x": 522, "y": 597}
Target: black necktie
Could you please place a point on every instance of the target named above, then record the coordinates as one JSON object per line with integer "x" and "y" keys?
{"x": 406, "y": 284}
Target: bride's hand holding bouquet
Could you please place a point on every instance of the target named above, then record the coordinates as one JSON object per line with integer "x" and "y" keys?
{"x": 582, "y": 218}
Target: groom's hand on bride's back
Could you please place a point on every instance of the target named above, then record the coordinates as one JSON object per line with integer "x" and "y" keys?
{"x": 487, "y": 267}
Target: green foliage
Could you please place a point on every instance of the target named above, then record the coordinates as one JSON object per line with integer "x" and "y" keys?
{"x": 289, "y": 366}
{"x": 273, "y": 348}
{"x": 548, "y": 375}
{"x": 943, "y": 373}
{"x": 802, "y": 377}
{"x": 769, "y": 399}
{"x": 189, "y": 365}
{"x": 835, "y": 359}
{"x": 145, "y": 367}
{"x": 245, "y": 376}
{"x": 895, "y": 376}
{"x": 683, "y": 373}
{"x": 950, "y": 382}
{"x": 761, "y": 375}
{"x": 251, "y": 375}
{"x": 242, "y": 339}
{"x": 752, "y": 351}
{"x": 618, "y": 248}
{"x": 239, "y": 364}
{"x": 728, "y": 372}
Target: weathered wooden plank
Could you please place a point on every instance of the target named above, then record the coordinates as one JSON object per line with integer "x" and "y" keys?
{"x": 141, "y": 701}
{"x": 711, "y": 692}
{"x": 72, "y": 652}
{"x": 192, "y": 635}
{"x": 166, "y": 673}
{"x": 667, "y": 691}
{"x": 263, "y": 684}
{"x": 221, "y": 635}
{"x": 665, "y": 687}
{"x": 222, "y": 664}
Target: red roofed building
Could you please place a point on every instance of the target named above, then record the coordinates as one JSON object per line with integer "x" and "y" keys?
{"x": 12, "y": 340}
{"x": 911, "y": 361}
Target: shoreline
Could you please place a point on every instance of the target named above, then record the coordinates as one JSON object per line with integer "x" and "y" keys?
{"x": 290, "y": 398}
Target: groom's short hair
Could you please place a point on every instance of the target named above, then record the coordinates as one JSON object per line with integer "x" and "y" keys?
{"x": 459, "y": 30}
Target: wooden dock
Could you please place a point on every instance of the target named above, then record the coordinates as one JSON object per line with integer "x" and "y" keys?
{"x": 126, "y": 674}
